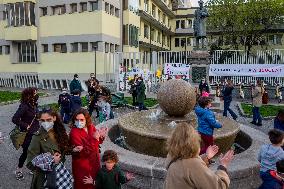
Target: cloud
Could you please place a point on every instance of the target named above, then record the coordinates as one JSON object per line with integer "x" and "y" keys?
{"x": 195, "y": 2}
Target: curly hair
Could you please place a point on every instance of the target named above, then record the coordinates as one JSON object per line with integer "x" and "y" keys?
{"x": 110, "y": 155}
{"x": 184, "y": 142}
{"x": 59, "y": 131}
{"x": 204, "y": 101}
{"x": 86, "y": 115}
{"x": 28, "y": 94}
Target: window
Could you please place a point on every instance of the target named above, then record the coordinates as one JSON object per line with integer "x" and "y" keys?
{"x": 44, "y": 48}
{"x": 27, "y": 52}
{"x": 74, "y": 47}
{"x": 279, "y": 39}
{"x": 107, "y": 8}
{"x": 117, "y": 12}
{"x": 152, "y": 37}
{"x": 7, "y": 49}
{"x": 188, "y": 41}
{"x": 58, "y": 10}
{"x": 61, "y": 48}
{"x": 106, "y": 47}
{"x": 146, "y": 31}
{"x": 85, "y": 47}
{"x": 189, "y": 23}
{"x": 94, "y": 46}
{"x": 112, "y": 48}
{"x": 159, "y": 15}
{"x": 182, "y": 23}
{"x": 0, "y": 50}
{"x": 133, "y": 36}
{"x": 176, "y": 42}
{"x": 153, "y": 10}
{"x": 74, "y": 8}
{"x": 164, "y": 18}
{"x": 116, "y": 48}
{"x": 177, "y": 24}
{"x": 94, "y": 5}
{"x": 146, "y": 5}
{"x": 112, "y": 10}
{"x": 159, "y": 37}
{"x": 43, "y": 11}
{"x": 4, "y": 15}
{"x": 83, "y": 7}
{"x": 182, "y": 42}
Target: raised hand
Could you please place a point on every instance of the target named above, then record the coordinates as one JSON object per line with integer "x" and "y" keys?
{"x": 88, "y": 180}
{"x": 212, "y": 151}
{"x": 226, "y": 159}
{"x": 129, "y": 176}
{"x": 103, "y": 132}
{"x": 97, "y": 135}
{"x": 78, "y": 149}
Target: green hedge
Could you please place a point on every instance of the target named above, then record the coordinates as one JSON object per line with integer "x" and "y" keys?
{"x": 149, "y": 102}
{"x": 6, "y": 96}
{"x": 265, "y": 110}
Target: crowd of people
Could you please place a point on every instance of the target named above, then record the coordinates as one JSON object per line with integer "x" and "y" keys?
{"x": 190, "y": 151}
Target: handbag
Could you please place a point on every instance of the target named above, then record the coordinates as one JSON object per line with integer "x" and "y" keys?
{"x": 58, "y": 178}
{"x": 18, "y": 137}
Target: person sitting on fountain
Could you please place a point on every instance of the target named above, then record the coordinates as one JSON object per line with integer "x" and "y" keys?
{"x": 110, "y": 176}
{"x": 206, "y": 122}
{"x": 278, "y": 175}
{"x": 279, "y": 120}
{"x": 105, "y": 112}
{"x": 268, "y": 156}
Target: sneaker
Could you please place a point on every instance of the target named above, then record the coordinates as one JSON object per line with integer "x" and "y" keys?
{"x": 259, "y": 124}
{"x": 211, "y": 162}
{"x": 19, "y": 175}
{"x": 253, "y": 122}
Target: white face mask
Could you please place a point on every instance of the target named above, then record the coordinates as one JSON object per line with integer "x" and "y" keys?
{"x": 80, "y": 124}
{"x": 47, "y": 125}
{"x": 64, "y": 92}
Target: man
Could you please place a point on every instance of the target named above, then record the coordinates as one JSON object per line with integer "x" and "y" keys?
{"x": 203, "y": 85}
{"x": 257, "y": 93}
{"x": 93, "y": 94}
{"x": 75, "y": 84}
{"x": 64, "y": 102}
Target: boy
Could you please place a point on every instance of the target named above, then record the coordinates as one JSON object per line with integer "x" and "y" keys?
{"x": 64, "y": 102}
{"x": 76, "y": 101}
{"x": 268, "y": 156}
{"x": 206, "y": 122}
{"x": 110, "y": 176}
{"x": 105, "y": 112}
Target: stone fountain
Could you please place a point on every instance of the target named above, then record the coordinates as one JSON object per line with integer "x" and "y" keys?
{"x": 146, "y": 132}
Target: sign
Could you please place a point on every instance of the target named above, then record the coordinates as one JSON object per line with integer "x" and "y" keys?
{"x": 178, "y": 70}
{"x": 254, "y": 70}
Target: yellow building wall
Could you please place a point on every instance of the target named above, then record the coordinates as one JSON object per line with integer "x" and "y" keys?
{"x": 2, "y": 27}
{"x": 7, "y": 66}
{"x": 21, "y": 33}
{"x": 131, "y": 18}
{"x": 80, "y": 23}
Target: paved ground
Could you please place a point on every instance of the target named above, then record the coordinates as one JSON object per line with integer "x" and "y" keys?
{"x": 9, "y": 156}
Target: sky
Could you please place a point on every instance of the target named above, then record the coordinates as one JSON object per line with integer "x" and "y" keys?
{"x": 195, "y": 2}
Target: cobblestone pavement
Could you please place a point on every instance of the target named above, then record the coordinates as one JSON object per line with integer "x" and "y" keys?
{"x": 9, "y": 156}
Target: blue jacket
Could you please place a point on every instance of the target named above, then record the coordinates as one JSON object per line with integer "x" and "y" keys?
{"x": 278, "y": 124}
{"x": 76, "y": 103}
{"x": 206, "y": 121}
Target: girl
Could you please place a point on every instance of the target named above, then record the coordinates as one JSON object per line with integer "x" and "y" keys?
{"x": 105, "y": 112}
{"x": 52, "y": 137}
{"x": 25, "y": 119}
{"x": 86, "y": 160}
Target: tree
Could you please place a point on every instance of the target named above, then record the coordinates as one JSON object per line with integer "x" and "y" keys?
{"x": 245, "y": 22}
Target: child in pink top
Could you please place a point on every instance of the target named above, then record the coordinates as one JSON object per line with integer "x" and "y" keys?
{"x": 205, "y": 93}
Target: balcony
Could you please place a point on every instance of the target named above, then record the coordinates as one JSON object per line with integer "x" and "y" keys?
{"x": 144, "y": 15}
{"x": 166, "y": 8}
{"x": 184, "y": 31}
{"x": 22, "y": 33}
{"x": 17, "y": 1}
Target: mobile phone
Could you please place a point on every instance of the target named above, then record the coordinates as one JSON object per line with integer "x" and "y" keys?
{"x": 233, "y": 147}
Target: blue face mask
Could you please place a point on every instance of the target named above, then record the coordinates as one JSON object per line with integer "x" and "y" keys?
{"x": 80, "y": 124}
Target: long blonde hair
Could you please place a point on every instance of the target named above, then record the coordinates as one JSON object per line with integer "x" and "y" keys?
{"x": 184, "y": 142}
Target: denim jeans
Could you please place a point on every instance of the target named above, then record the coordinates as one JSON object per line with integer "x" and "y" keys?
{"x": 268, "y": 182}
{"x": 65, "y": 115}
{"x": 256, "y": 115}
{"x": 227, "y": 108}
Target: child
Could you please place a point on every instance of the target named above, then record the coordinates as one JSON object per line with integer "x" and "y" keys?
{"x": 279, "y": 120}
{"x": 204, "y": 93}
{"x": 206, "y": 122}
{"x": 268, "y": 156}
{"x": 105, "y": 112}
{"x": 76, "y": 101}
{"x": 110, "y": 176}
{"x": 64, "y": 102}
{"x": 278, "y": 175}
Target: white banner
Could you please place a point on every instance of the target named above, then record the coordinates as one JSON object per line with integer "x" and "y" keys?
{"x": 177, "y": 69}
{"x": 254, "y": 70}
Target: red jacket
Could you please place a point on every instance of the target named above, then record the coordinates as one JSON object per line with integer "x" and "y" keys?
{"x": 86, "y": 162}
{"x": 274, "y": 175}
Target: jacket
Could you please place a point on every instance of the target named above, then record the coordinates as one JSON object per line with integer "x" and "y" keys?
{"x": 75, "y": 84}
{"x": 257, "y": 96}
{"x": 64, "y": 101}
{"x": 204, "y": 86}
{"x": 86, "y": 162}
{"x": 193, "y": 173}
{"x": 141, "y": 92}
{"x": 227, "y": 93}
{"x": 268, "y": 156}
{"x": 110, "y": 179}
{"x": 23, "y": 118}
{"x": 76, "y": 103}
{"x": 278, "y": 124}
{"x": 41, "y": 143}
{"x": 206, "y": 121}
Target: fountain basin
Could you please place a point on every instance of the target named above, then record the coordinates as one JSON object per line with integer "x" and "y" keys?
{"x": 147, "y": 136}
{"x": 150, "y": 171}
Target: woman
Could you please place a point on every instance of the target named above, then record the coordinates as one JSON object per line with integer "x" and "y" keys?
{"x": 25, "y": 119}
{"x": 186, "y": 169}
{"x": 52, "y": 137}
{"x": 86, "y": 161}
{"x": 227, "y": 97}
{"x": 141, "y": 94}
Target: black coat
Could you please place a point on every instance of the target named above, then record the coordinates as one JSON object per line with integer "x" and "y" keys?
{"x": 23, "y": 118}
{"x": 203, "y": 86}
{"x": 227, "y": 93}
{"x": 76, "y": 103}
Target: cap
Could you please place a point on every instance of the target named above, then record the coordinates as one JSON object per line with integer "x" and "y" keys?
{"x": 76, "y": 75}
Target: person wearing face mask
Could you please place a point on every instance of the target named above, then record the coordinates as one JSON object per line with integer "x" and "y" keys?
{"x": 203, "y": 86}
{"x": 64, "y": 101}
{"x": 141, "y": 94}
{"x": 51, "y": 137}
{"x": 75, "y": 84}
{"x": 85, "y": 161}
{"x": 25, "y": 119}
{"x": 206, "y": 122}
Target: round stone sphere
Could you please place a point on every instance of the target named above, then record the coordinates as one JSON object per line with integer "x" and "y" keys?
{"x": 176, "y": 97}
